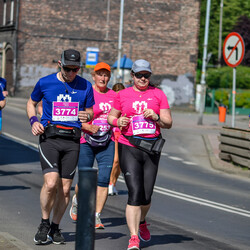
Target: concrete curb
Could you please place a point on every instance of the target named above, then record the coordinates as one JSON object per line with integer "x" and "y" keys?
{"x": 221, "y": 165}
{"x": 7, "y": 241}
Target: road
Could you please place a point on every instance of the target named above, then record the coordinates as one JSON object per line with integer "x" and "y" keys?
{"x": 194, "y": 206}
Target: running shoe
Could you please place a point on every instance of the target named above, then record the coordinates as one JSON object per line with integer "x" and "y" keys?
{"x": 144, "y": 233}
{"x": 98, "y": 222}
{"x": 73, "y": 209}
{"x": 41, "y": 235}
{"x": 56, "y": 237}
{"x": 134, "y": 243}
{"x": 112, "y": 190}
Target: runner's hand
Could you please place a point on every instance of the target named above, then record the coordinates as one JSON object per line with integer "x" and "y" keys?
{"x": 123, "y": 121}
{"x": 37, "y": 128}
{"x": 83, "y": 116}
{"x": 149, "y": 113}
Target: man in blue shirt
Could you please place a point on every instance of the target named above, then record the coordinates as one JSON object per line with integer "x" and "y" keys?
{"x": 67, "y": 101}
{"x": 3, "y": 84}
{"x": 2, "y": 105}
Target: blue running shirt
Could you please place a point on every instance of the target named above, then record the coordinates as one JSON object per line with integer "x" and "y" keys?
{"x": 61, "y": 100}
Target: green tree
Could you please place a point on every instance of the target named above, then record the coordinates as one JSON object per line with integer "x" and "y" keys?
{"x": 232, "y": 11}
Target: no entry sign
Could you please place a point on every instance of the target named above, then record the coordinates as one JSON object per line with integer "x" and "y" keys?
{"x": 233, "y": 49}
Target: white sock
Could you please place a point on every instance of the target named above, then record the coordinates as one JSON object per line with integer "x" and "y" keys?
{"x": 98, "y": 214}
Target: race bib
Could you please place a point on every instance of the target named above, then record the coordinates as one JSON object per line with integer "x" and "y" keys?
{"x": 103, "y": 124}
{"x": 65, "y": 111}
{"x": 142, "y": 125}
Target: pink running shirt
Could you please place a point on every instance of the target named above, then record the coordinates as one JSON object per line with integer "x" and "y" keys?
{"x": 103, "y": 104}
{"x": 132, "y": 103}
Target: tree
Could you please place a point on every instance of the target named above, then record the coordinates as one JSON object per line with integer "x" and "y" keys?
{"x": 232, "y": 10}
{"x": 243, "y": 28}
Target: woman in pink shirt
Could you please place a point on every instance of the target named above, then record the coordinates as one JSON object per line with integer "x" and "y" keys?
{"x": 97, "y": 141}
{"x": 141, "y": 111}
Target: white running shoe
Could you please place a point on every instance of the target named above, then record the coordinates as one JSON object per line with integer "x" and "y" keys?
{"x": 73, "y": 209}
{"x": 112, "y": 190}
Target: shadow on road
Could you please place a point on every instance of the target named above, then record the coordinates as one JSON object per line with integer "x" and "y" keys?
{"x": 4, "y": 188}
{"x": 12, "y": 152}
{"x": 165, "y": 239}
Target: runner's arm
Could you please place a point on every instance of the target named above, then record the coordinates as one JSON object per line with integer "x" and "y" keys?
{"x": 36, "y": 127}
{"x": 87, "y": 115}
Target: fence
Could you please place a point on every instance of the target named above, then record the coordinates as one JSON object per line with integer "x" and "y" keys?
{"x": 235, "y": 146}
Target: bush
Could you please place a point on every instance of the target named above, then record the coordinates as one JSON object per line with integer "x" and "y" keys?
{"x": 224, "y": 96}
{"x": 223, "y": 77}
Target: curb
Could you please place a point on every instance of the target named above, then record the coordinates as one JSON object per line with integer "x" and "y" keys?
{"x": 221, "y": 165}
{"x": 7, "y": 241}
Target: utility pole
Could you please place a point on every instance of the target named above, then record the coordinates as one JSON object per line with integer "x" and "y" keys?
{"x": 204, "y": 64}
{"x": 120, "y": 40}
{"x": 220, "y": 33}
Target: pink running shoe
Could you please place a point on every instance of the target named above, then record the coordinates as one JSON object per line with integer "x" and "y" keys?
{"x": 134, "y": 243}
{"x": 144, "y": 233}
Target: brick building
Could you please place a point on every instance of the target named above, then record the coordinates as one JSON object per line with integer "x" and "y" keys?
{"x": 33, "y": 34}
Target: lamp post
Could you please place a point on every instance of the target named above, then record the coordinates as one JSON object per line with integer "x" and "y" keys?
{"x": 204, "y": 64}
{"x": 220, "y": 33}
{"x": 120, "y": 40}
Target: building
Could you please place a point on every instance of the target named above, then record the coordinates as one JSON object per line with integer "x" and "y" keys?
{"x": 33, "y": 34}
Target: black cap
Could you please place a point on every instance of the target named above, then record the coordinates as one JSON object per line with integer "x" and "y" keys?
{"x": 71, "y": 57}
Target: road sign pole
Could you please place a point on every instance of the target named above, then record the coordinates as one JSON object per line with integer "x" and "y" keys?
{"x": 233, "y": 53}
{"x": 233, "y": 97}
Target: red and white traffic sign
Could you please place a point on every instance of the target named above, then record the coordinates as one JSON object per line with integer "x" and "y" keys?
{"x": 233, "y": 49}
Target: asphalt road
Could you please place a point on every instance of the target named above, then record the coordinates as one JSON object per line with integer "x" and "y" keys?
{"x": 194, "y": 206}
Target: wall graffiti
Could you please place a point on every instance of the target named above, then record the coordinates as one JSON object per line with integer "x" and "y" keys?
{"x": 178, "y": 92}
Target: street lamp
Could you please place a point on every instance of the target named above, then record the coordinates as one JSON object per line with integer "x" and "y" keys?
{"x": 204, "y": 64}
{"x": 120, "y": 40}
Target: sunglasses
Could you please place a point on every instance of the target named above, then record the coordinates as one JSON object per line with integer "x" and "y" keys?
{"x": 69, "y": 69}
{"x": 139, "y": 75}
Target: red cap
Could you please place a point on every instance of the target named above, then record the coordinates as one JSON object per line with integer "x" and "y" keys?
{"x": 102, "y": 65}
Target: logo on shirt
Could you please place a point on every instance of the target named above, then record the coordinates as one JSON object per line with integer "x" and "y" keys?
{"x": 105, "y": 107}
{"x": 64, "y": 98}
{"x": 139, "y": 106}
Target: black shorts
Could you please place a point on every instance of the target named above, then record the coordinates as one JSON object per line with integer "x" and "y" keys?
{"x": 58, "y": 154}
{"x": 140, "y": 170}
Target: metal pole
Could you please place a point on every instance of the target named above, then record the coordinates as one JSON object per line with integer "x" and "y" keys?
{"x": 220, "y": 33}
{"x": 203, "y": 72}
{"x": 120, "y": 40}
{"x": 107, "y": 22}
{"x": 85, "y": 227}
{"x": 233, "y": 96}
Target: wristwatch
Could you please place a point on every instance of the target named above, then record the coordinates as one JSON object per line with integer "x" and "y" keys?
{"x": 158, "y": 119}
{"x": 89, "y": 118}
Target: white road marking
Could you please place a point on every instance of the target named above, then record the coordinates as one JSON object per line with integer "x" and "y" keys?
{"x": 164, "y": 191}
{"x": 24, "y": 142}
{"x": 189, "y": 163}
{"x": 175, "y": 158}
{"x": 197, "y": 200}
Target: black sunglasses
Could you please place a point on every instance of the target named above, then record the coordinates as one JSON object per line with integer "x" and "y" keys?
{"x": 69, "y": 69}
{"x": 139, "y": 75}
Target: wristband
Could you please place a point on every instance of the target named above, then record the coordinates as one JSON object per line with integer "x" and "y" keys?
{"x": 158, "y": 119}
{"x": 115, "y": 122}
{"x": 33, "y": 119}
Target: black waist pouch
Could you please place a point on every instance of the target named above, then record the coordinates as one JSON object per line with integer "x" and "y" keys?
{"x": 149, "y": 145}
{"x": 63, "y": 131}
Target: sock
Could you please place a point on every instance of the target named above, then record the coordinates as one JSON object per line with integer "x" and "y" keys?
{"x": 98, "y": 214}
{"x": 45, "y": 221}
{"x": 54, "y": 227}
{"x": 142, "y": 222}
